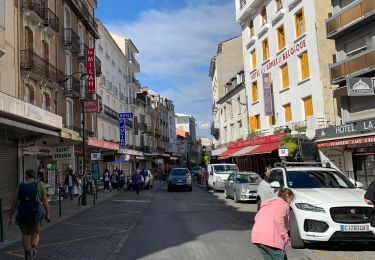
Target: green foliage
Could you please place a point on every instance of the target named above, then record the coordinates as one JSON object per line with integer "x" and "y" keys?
{"x": 291, "y": 144}
{"x": 206, "y": 158}
{"x": 278, "y": 130}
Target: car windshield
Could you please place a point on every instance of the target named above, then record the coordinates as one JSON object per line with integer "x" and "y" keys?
{"x": 225, "y": 169}
{"x": 179, "y": 172}
{"x": 317, "y": 179}
{"x": 196, "y": 169}
{"x": 248, "y": 178}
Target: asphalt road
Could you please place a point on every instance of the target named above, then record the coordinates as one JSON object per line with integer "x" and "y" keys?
{"x": 167, "y": 225}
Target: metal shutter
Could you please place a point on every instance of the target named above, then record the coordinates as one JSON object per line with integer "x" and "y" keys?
{"x": 8, "y": 171}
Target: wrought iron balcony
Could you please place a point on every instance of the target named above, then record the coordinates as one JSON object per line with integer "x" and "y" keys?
{"x": 51, "y": 20}
{"x": 110, "y": 112}
{"x": 39, "y": 11}
{"x": 350, "y": 18}
{"x": 71, "y": 40}
{"x": 352, "y": 66}
{"x": 72, "y": 88}
{"x": 133, "y": 80}
{"x": 39, "y": 67}
{"x": 82, "y": 52}
{"x": 98, "y": 66}
{"x": 133, "y": 61}
{"x": 84, "y": 15}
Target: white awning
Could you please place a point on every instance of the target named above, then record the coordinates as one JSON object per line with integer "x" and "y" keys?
{"x": 244, "y": 151}
{"x": 218, "y": 151}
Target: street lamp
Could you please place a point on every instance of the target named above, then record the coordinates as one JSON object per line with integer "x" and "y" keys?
{"x": 83, "y": 100}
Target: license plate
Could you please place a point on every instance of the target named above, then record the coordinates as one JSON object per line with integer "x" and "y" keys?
{"x": 253, "y": 194}
{"x": 354, "y": 228}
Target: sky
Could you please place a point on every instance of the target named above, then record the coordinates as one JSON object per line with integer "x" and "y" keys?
{"x": 176, "y": 40}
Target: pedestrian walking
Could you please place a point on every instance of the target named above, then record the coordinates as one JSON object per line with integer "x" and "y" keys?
{"x": 114, "y": 181}
{"x": 370, "y": 199}
{"x": 106, "y": 179}
{"x": 29, "y": 198}
{"x": 137, "y": 180}
{"x": 71, "y": 182}
{"x": 270, "y": 231}
{"x": 121, "y": 178}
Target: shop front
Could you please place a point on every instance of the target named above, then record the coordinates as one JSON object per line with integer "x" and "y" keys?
{"x": 350, "y": 148}
{"x": 137, "y": 159}
{"x": 107, "y": 151}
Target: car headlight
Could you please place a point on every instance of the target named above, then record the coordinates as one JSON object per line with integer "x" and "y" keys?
{"x": 242, "y": 190}
{"x": 309, "y": 207}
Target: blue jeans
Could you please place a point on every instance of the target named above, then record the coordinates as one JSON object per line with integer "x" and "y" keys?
{"x": 70, "y": 191}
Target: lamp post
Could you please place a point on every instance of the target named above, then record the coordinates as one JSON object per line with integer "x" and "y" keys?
{"x": 83, "y": 100}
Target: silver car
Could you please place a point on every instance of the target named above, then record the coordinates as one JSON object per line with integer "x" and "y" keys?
{"x": 242, "y": 186}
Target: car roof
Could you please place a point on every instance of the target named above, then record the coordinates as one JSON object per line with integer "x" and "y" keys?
{"x": 306, "y": 169}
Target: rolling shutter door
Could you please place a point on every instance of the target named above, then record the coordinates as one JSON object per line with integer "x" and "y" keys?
{"x": 8, "y": 171}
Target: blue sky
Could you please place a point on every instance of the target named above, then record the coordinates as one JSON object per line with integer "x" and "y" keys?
{"x": 176, "y": 40}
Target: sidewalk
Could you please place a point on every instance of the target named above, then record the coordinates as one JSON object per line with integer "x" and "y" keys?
{"x": 68, "y": 209}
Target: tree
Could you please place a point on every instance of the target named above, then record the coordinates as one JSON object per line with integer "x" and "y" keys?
{"x": 292, "y": 146}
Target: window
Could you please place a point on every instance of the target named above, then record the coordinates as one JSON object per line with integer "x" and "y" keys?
{"x": 304, "y": 63}
{"x": 28, "y": 39}
{"x": 288, "y": 112}
{"x": 284, "y": 75}
{"x": 253, "y": 59}
{"x": 254, "y": 91}
{"x": 300, "y": 22}
{"x": 251, "y": 28}
{"x": 68, "y": 69}
{"x": 29, "y": 94}
{"x": 46, "y": 101}
{"x": 271, "y": 120}
{"x": 264, "y": 15}
{"x": 254, "y": 122}
{"x": 266, "y": 50}
{"x": 279, "y": 4}
{"x": 69, "y": 114}
{"x": 281, "y": 37}
{"x": 308, "y": 106}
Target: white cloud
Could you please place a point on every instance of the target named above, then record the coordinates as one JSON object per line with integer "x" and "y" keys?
{"x": 176, "y": 48}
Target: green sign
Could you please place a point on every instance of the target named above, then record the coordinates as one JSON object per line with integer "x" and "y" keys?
{"x": 95, "y": 171}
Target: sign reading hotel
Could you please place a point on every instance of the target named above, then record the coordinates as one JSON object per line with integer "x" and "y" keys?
{"x": 297, "y": 48}
{"x": 90, "y": 70}
{"x": 63, "y": 153}
{"x": 360, "y": 86}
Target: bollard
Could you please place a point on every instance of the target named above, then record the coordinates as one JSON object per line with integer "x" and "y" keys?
{"x": 94, "y": 197}
{"x": 59, "y": 205}
{"x": 1, "y": 221}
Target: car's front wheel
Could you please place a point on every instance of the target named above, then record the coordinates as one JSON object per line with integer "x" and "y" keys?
{"x": 295, "y": 237}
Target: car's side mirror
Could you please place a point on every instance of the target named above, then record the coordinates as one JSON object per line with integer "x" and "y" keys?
{"x": 275, "y": 185}
{"x": 359, "y": 184}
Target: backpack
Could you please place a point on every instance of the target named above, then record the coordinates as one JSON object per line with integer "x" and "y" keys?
{"x": 29, "y": 208}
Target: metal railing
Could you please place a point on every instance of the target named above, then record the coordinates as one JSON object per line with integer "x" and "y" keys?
{"x": 82, "y": 11}
{"x": 82, "y": 52}
{"x": 31, "y": 61}
{"x": 349, "y": 15}
{"x": 72, "y": 87}
{"x": 110, "y": 112}
{"x": 71, "y": 39}
{"x": 47, "y": 15}
{"x": 98, "y": 66}
{"x": 51, "y": 20}
{"x": 132, "y": 59}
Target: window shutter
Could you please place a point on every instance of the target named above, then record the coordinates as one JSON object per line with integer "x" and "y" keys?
{"x": 255, "y": 91}
{"x": 253, "y": 123}
{"x": 285, "y": 75}
{"x": 308, "y": 106}
{"x": 288, "y": 113}
{"x": 305, "y": 65}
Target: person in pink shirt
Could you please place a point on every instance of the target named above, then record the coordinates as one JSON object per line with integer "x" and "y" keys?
{"x": 270, "y": 231}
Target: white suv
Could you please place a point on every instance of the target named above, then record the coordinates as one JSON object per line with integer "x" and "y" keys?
{"x": 327, "y": 206}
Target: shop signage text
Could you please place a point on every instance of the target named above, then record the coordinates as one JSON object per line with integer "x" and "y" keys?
{"x": 125, "y": 115}
{"x": 354, "y": 127}
{"x": 362, "y": 140}
{"x": 130, "y": 152}
{"x": 102, "y": 144}
{"x": 91, "y": 106}
{"x": 122, "y": 132}
{"x": 90, "y": 69}
{"x": 360, "y": 86}
{"x": 297, "y": 48}
{"x": 257, "y": 141}
{"x": 63, "y": 153}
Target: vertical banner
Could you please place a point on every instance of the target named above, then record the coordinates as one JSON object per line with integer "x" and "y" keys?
{"x": 90, "y": 69}
{"x": 122, "y": 132}
{"x": 95, "y": 171}
{"x": 267, "y": 95}
{"x": 135, "y": 125}
{"x": 52, "y": 180}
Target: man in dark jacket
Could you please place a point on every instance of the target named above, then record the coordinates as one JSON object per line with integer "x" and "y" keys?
{"x": 370, "y": 198}
{"x": 70, "y": 181}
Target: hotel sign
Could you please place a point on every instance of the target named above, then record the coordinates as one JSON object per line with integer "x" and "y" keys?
{"x": 90, "y": 70}
{"x": 350, "y": 128}
{"x": 297, "y": 48}
{"x": 360, "y": 86}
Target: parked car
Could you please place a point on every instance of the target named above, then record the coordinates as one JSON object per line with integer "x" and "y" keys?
{"x": 179, "y": 178}
{"x": 196, "y": 170}
{"x": 149, "y": 179}
{"x": 327, "y": 205}
{"x": 218, "y": 173}
{"x": 242, "y": 186}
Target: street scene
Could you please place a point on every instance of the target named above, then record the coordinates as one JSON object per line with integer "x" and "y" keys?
{"x": 187, "y": 129}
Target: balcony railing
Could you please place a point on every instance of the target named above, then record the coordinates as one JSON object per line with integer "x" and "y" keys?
{"x": 133, "y": 80}
{"x": 132, "y": 60}
{"x": 360, "y": 62}
{"x": 72, "y": 88}
{"x": 98, "y": 66}
{"x": 110, "y": 112}
{"x": 83, "y": 13}
{"x": 71, "y": 40}
{"x": 30, "y": 61}
{"x": 82, "y": 52}
{"x": 80, "y": 131}
{"x": 358, "y": 11}
{"x": 39, "y": 7}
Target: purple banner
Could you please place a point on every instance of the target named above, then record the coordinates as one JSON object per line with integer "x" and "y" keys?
{"x": 267, "y": 95}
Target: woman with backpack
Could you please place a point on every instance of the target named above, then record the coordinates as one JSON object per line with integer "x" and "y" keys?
{"x": 270, "y": 231}
{"x": 114, "y": 181}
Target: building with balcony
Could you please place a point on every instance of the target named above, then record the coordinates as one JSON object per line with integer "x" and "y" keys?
{"x": 349, "y": 145}
{"x": 229, "y": 109}
{"x": 187, "y": 124}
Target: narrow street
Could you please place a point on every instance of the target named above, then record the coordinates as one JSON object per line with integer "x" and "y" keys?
{"x": 166, "y": 225}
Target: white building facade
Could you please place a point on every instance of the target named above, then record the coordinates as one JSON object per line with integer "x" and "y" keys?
{"x": 284, "y": 44}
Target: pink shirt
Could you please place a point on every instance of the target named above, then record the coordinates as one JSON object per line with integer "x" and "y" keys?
{"x": 271, "y": 223}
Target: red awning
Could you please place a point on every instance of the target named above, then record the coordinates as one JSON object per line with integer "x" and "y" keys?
{"x": 229, "y": 152}
{"x": 265, "y": 148}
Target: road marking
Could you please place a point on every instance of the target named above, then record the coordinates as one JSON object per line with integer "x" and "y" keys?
{"x": 14, "y": 252}
{"x": 89, "y": 226}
